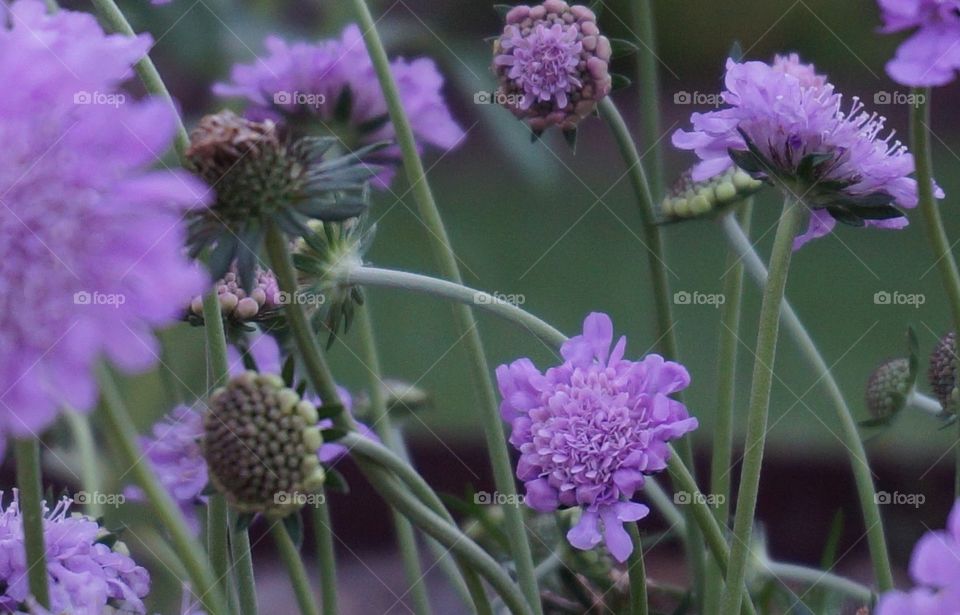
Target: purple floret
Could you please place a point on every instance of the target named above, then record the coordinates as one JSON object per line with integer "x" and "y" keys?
{"x": 931, "y": 56}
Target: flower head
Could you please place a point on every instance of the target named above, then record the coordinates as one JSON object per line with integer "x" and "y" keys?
{"x": 943, "y": 371}
{"x": 84, "y": 573}
{"x": 589, "y": 430}
{"x": 935, "y": 566}
{"x": 931, "y": 56}
{"x": 331, "y": 88}
{"x": 786, "y": 124}
{"x": 552, "y": 63}
{"x": 91, "y": 239}
{"x": 888, "y": 387}
{"x": 237, "y": 305}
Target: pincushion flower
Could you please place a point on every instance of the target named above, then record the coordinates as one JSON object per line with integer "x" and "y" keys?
{"x": 331, "y": 87}
{"x": 84, "y": 574}
{"x": 785, "y": 123}
{"x": 590, "y": 430}
{"x": 91, "y": 242}
{"x": 931, "y": 56}
{"x": 935, "y": 566}
{"x": 552, "y": 63}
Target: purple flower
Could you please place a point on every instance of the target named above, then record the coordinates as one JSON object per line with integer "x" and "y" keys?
{"x": 931, "y": 56}
{"x": 801, "y": 138}
{"x": 590, "y": 430}
{"x": 83, "y": 573}
{"x": 173, "y": 453}
{"x": 333, "y": 85}
{"x": 91, "y": 241}
{"x": 552, "y": 63}
{"x": 935, "y": 566}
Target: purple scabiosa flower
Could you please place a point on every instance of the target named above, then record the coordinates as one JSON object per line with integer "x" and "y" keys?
{"x": 331, "y": 87}
{"x": 935, "y": 566}
{"x": 173, "y": 453}
{"x": 91, "y": 240}
{"x": 589, "y": 431}
{"x": 784, "y": 123}
{"x": 84, "y": 573}
{"x": 931, "y": 56}
{"x": 552, "y": 64}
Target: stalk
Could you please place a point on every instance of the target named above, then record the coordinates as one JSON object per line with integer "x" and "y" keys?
{"x": 89, "y": 465}
{"x": 30, "y": 497}
{"x": 295, "y": 570}
{"x": 243, "y": 568}
{"x": 649, "y": 86}
{"x": 326, "y": 557}
{"x": 637, "y": 574}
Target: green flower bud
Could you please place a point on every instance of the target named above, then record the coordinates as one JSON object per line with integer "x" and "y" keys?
{"x": 888, "y": 388}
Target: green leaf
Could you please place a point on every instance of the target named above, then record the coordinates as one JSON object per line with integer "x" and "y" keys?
{"x": 336, "y": 482}
{"x": 844, "y": 216}
{"x": 748, "y": 161}
{"x": 806, "y": 170}
{"x": 333, "y": 434}
{"x": 878, "y": 212}
{"x": 621, "y": 47}
{"x": 329, "y": 411}
{"x": 619, "y": 82}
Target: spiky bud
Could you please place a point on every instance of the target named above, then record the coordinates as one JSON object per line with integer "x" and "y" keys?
{"x": 260, "y": 441}
{"x": 690, "y": 199}
{"x": 888, "y": 388}
{"x": 552, "y": 63}
{"x": 943, "y": 370}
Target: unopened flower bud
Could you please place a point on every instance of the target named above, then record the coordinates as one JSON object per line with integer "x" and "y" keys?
{"x": 690, "y": 199}
{"x": 888, "y": 388}
{"x": 943, "y": 370}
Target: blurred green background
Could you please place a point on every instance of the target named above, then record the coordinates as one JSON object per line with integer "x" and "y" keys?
{"x": 562, "y": 230}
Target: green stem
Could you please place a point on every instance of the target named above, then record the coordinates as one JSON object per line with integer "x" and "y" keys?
{"x": 295, "y": 570}
{"x": 637, "y": 574}
{"x": 217, "y": 374}
{"x": 849, "y": 434}
{"x": 758, "y": 413}
{"x": 648, "y": 71}
{"x": 122, "y": 433}
{"x": 243, "y": 568}
{"x": 89, "y": 460}
{"x": 383, "y": 425}
{"x": 30, "y": 485}
{"x": 443, "y": 253}
{"x": 326, "y": 557}
{"x": 936, "y": 234}
{"x": 414, "y": 282}
{"x": 818, "y": 578}
{"x": 111, "y": 14}
{"x": 662, "y": 297}
{"x": 721, "y": 461}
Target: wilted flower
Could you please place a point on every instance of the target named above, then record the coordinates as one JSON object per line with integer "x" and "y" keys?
{"x": 931, "y": 56}
{"x": 935, "y": 566}
{"x": 87, "y": 568}
{"x": 331, "y": 88}
{"x": 92, "y": 240}
{"x": 590, "y": 430}
{"x": 784, "y": 123}
{"x": 552, "y": 63}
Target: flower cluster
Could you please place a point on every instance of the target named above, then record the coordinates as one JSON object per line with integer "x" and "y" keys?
{"x": 552, "y": 63}
{"x": 331, "y": 87}
{"x": 935, "y": 565}
{"x": 239, "y": 306}
{"x": 931, "y": 56}
{"x": 84, "y": 573}
{"x": 590, "y": 429}
{"x": 91, "y": 240}
{"x": 785, "y": 123}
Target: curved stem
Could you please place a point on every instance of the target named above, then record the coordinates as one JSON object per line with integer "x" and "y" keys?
{"x": 122, "y": 433}
{"x": 295, "y": 570}
{"x": 388, "y": 278}
{"x": 446, "y": 259}
{"x": 924, "y": 403}
{"x": 849, "y": 434}
{"x": 30, "y": 497}
{"x": 936, "y": 234}
{"x": 115, "y": 19}
{"x": 89, "y": 465}
{"x": 383, "y": 425}
{"x": 758, "y": 413}
{"x": 637, "y": 573}
{"x": 243, "y": 567}
{"x": 648, "y": 70}
{"x": 662, "y": 297}
{"x": 818, "y": 578}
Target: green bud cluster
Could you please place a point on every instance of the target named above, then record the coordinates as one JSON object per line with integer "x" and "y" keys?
{"x": 690, "y": 199}
{"x": 888, "y": 388}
